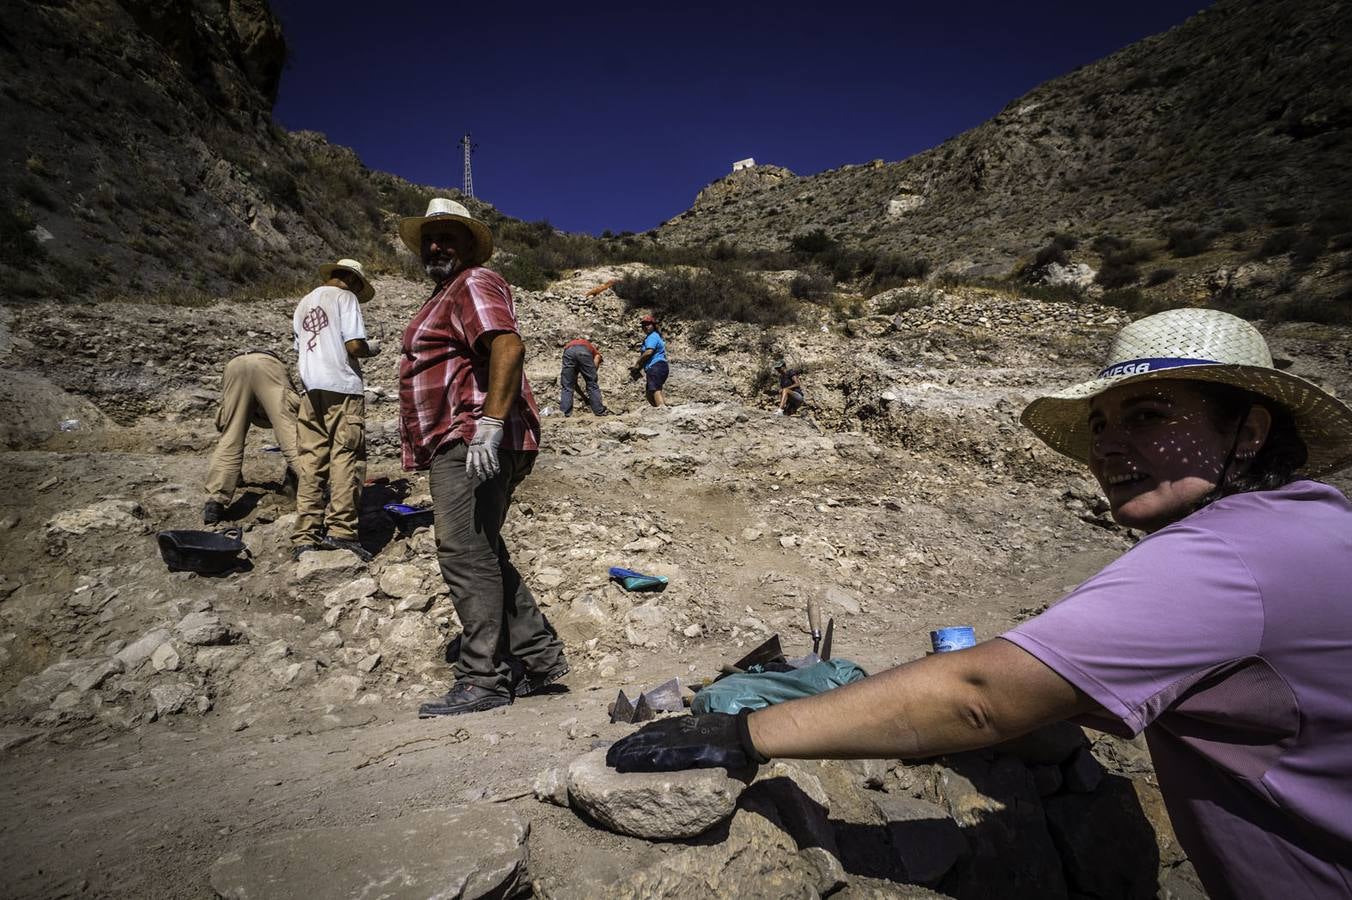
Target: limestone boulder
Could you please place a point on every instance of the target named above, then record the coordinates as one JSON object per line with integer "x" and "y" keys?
{"x": 651, "y": 805}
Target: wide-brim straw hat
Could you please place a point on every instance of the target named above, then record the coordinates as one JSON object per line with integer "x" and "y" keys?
{"x": 1198, "y": 345}
{"x": 440, "y": 209}
{"x": 349, "y": 265}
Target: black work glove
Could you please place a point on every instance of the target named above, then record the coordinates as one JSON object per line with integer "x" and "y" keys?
{"x": 710, "y": 741}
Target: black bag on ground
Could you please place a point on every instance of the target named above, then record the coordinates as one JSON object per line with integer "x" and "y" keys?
{"x": 206, "y": 552}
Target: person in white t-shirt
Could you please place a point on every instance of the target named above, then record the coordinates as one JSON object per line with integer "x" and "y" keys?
{"x": 331, "y": 424}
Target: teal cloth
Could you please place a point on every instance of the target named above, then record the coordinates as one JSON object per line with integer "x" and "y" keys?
{"x": 757, "y": 690}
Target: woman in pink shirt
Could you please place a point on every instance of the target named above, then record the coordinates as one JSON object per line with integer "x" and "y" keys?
{"x": 1225, "y": 635}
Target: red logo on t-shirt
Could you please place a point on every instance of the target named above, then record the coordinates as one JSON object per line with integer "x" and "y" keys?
{"x": 315, "y": 321}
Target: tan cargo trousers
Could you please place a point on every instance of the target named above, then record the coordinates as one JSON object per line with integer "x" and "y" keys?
{"x": 255, "y": 389}
{"x": 331, "y": 434}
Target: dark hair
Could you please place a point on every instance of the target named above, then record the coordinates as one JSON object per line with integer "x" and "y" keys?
{"x": 1275, "y": 463}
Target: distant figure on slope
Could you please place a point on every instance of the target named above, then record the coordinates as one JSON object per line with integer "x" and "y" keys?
{"x": 580, "y": 358}
{"x": 790, "y": 390}
{"x": 652, "y": 362}
{"x": 255, "y": 390}
{"x": 467, "y": 417}
{"x": 331, "y": 430}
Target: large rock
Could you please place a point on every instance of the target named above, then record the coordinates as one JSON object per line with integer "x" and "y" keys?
{"x": 404, "y": 580}
{"x": 478, "y": 851}
{"x": 997, "y": 805}
{"x": 96, "y": 674}
{"x": 656, "y": 805}
{"x": 123, "y": 515}
{"x": 348, "y": 592}
{"x": 202, "y": 628}
{"x": 37, "y": 691}
{"x": 758, "y": 860}
{"x": 321, "y": 570}
{"x": 1107, "y": 844}
{"x": 924, "y": 836}
{"x": 140, "y": 650}
{"x": 170, "y": 698}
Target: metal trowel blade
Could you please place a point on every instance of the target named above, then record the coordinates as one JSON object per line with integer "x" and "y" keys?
{"x": 622, "y": 710}
{"x": 666, "y": 697}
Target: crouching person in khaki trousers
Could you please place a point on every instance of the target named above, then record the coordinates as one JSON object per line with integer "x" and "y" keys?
{"x": 331, "y": 427}
{"x": 255, "y": 390}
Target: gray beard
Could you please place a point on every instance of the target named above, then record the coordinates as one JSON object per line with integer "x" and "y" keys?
{"x": 441, "y": 270}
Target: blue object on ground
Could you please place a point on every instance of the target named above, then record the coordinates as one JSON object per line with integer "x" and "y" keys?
{"x": 757, "y": 690}
{"x": 959, "y": 637}
{"x": 637, "y": 581}
{"x": 403, "y": 509}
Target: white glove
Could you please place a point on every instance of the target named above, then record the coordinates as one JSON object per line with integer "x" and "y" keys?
{"x": 372, "y": 347}
{"x": 481, "y": 460}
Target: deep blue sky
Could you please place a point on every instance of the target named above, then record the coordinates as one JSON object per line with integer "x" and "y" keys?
{"x": 612, "y": 115}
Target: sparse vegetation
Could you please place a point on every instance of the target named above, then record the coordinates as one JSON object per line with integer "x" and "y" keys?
{"x": 813, "y": 286}
{"x": 18, "y": 247}
{"x": 1278, "y": 243}
{"x": 1189, "y": 240}
{"x": 722, "y": 292}
{"x": 1160, "y": 276}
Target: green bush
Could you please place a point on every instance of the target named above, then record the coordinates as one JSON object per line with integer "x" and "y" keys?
{"x": 35, "y": 192}
{"x": 1234, "y": 225}
{"x": 721, "y": 293}
{"x": 813, "y": 242}
{"x": 1115, "y": 273}
{"x": 1049, "y": 293}
{"x": 1189, "y": 240}
{"x": 1326, "y": 311}
{"x": 1284, "y": 216}
{"x": 1134, "y": 300}
{"x": 811, "y": 286}
{"x": 521, "y": 271}
{"x": 1308, "y": 249}
{"x": 1279, "y": 243}
{"x": 18, "y": 247}
{"x": 1159, "y": 276}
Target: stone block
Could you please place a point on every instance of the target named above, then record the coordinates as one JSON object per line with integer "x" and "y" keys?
{"x": 656, "y": 805}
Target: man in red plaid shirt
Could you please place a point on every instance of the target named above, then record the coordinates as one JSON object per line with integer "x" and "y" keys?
{"x": 466, "y": 414}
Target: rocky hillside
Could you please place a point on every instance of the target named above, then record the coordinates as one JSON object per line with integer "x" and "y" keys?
{"x": 152, "y": 165}
{"x": 1224, "y": 142}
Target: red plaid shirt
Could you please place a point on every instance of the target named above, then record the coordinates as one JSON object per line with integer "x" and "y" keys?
{"x": 443, "y": 372}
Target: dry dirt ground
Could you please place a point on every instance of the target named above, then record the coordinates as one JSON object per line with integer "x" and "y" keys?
{"x": 905, "y": 498}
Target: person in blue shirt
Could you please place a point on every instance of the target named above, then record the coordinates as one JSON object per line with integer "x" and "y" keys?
{"x": 652, "y": 362}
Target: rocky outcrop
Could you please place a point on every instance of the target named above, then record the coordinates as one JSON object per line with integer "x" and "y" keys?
{"x": 1230, "y": 124}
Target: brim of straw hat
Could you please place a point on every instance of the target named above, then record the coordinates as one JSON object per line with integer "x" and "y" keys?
{"x": 1061, "y": 419}
{"x": 366, "y": 293}
{"x": 410, "y": 231}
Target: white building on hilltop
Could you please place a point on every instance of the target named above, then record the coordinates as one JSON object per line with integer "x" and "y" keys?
{"x": 743, "y": 164}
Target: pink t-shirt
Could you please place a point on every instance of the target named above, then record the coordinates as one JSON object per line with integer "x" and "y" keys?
{"x": 1227, "y": 638}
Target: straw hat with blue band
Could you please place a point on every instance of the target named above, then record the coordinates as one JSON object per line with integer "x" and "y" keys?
{"x": 1198, "y": 345}
{"x": 439, "y": 209}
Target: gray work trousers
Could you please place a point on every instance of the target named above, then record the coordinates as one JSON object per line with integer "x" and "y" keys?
{"x": 578, "y": 361}
{"x": 498, "y": 614}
